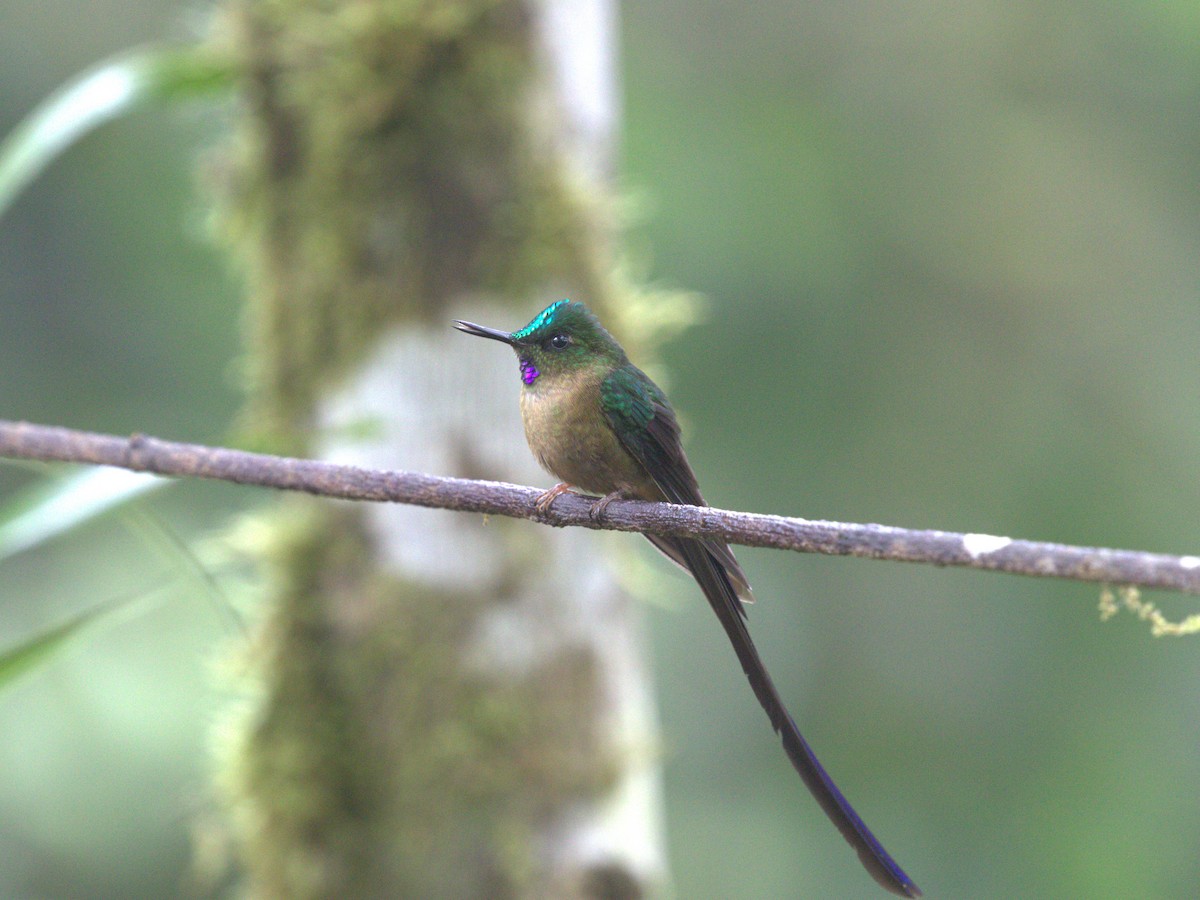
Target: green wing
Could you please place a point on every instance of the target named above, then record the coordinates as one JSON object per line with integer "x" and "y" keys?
{"x": 638, "y": 411}
{"x": 639, "y": 414}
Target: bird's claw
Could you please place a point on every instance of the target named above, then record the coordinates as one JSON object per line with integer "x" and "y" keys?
{"x": 598, "y": 508}
{"x": 546, "y": 499}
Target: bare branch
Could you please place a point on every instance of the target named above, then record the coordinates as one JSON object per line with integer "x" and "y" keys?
{"x": 22, "y": 440}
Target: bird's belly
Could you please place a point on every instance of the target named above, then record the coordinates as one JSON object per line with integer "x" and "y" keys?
{"x": 572, "y": 441}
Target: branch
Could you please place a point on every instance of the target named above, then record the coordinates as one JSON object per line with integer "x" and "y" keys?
{"x": 22, "y": 440}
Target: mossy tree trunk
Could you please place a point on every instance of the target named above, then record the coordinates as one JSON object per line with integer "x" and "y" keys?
{"x": 438, "y": 706}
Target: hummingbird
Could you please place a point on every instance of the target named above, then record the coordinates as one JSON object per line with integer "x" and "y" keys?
{"x": 598, "y": 423}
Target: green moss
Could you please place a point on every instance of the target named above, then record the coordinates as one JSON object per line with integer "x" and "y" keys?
{"x": 385, "y": 158}
{"x": 387, "y": 161}
{"x": 378, "y": 744}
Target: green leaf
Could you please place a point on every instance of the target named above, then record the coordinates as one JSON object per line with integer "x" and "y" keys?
{"x": 176, "y": 550}
{"x": 59, "y": 504}
{"x": 41, "y": 649}
{"x": 105, "y": 92}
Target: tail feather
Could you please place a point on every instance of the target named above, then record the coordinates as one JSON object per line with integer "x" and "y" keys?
{"x": 723, "y": 595}
{"x": 669, "y": 547}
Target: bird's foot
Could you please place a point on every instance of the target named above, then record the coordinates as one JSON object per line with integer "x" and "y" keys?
{"x": 597, "y": 510}
{"x": 544, "y": 501}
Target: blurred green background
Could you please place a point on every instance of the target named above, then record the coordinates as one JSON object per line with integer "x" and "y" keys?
{"x": 952, "y": 261}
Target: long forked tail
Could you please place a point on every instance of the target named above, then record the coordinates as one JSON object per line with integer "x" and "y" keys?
{"x": 715, "y": 583}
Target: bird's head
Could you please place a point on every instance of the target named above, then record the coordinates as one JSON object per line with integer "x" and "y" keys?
{"x": 564, "y": 337}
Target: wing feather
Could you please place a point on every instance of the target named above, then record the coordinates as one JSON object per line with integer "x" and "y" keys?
{"x": 639, "y": 414}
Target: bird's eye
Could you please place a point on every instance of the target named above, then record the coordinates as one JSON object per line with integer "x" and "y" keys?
{"x": 560, "y": 341}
